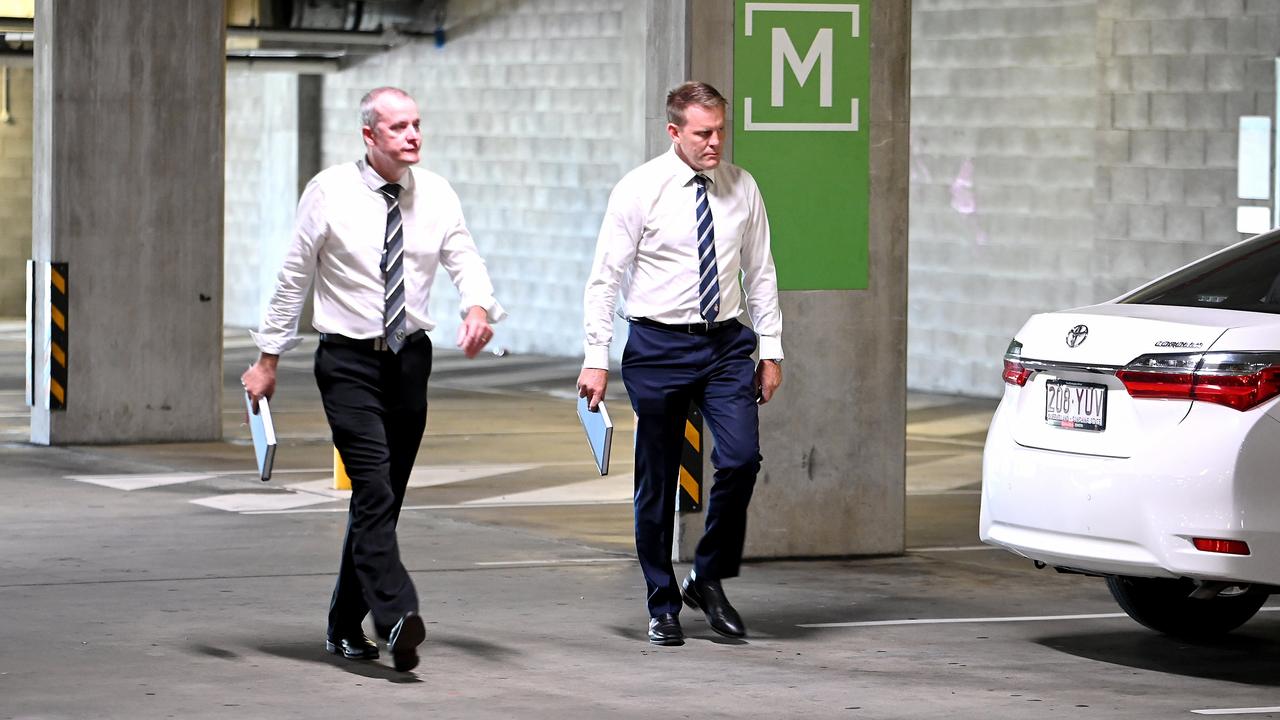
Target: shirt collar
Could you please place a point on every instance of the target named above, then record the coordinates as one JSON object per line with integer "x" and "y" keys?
{"x": 681, "y": 171}
{"x": 376, "y": 181}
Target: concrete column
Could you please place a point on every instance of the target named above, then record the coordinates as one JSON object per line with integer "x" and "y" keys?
{"x": 667, "y": 66}
{"x": 128, "y": 144}
{"x": 15, "y": 174}
{"x": 833, "y": 440}
{"x": 310, "y": 144}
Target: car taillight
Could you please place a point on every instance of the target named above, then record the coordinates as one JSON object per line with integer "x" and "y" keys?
{"x": 1015, "y": 373}
{"x": 1237, "y": 380}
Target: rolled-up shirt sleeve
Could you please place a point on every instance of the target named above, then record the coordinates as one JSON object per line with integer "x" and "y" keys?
{"x": 461, "y": 259}
{"x": 279, "y": 329}
{"x": 615, "y": 252}
{"x": 760, "y": 280}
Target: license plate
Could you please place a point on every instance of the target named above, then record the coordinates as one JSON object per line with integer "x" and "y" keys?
{"x": 1075, "y": 405}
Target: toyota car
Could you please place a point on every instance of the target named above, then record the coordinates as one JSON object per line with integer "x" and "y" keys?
{"x": 1139, "y": 440}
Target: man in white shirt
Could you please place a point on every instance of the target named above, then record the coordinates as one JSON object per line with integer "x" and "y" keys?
{"x": 678, "y": 234}
{"x": 371, "y": 234}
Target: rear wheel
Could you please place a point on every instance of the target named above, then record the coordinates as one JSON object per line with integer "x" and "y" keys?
{"x": 1166, "y": 606}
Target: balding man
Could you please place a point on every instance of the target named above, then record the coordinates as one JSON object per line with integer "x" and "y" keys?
{"x": 371, "y": 234}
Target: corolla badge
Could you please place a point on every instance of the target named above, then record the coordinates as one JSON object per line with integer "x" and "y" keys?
{"x": 1076, "y": 336}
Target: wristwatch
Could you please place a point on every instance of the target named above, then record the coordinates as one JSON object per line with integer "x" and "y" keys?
{"x": 775, "y": 361}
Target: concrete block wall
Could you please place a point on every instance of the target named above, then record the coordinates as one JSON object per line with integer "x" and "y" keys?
{"x": 261, "y": 188}
{"x": 1174, "y": 79}
{"x": 15, "y": 201}
{"x": 1002, "y": 179}
{"x": 530, "y": 111}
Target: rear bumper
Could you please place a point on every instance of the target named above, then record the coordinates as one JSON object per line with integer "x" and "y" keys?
{"x": 1137, "y": 516}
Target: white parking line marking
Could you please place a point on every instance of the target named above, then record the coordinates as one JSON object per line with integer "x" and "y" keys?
{"x": 452, "y": 507}
{"x": 959, "y": 621}
{"x": 565, "y": 561}
{"x": 1238, "y": 711}
{"x": 139, "y": 481}
{"x": 954, "y": 548}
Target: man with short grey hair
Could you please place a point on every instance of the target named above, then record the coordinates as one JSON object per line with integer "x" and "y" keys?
{"x": 372, "y": 234}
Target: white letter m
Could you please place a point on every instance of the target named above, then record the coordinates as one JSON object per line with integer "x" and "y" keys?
{"x": 785, "y": 50}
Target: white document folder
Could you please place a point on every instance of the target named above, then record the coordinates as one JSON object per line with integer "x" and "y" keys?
{"x": 599, "y": 430}
{"x": 264, "y": 435}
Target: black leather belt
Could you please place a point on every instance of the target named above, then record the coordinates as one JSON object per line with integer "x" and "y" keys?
{"x": 377, "y": 344}
{"x": 692, "y": 328}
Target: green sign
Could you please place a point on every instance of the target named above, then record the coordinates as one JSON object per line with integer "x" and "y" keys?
{"x": 801, "y": 81}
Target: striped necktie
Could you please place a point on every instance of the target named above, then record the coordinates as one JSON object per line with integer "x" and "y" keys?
{"x": 393, "y": 271}
{"x": 708, "y": 280}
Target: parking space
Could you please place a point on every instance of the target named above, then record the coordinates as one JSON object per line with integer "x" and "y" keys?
{"x": 167, "y": 581}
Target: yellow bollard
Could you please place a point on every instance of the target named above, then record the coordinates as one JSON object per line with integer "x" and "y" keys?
{"x": 340, "y": 479}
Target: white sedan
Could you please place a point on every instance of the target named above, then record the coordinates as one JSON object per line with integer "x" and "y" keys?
{"x": 1139, "y": 440}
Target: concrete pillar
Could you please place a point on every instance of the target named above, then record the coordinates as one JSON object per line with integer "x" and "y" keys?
{"x": 15, "y": 175}
{"x": 310, "y": 144}
{"x": 833, "y": 440}
{"x": 128, "y": 145}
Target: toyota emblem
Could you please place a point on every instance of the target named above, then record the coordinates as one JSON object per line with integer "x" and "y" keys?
{"x": 1077, "y": 335}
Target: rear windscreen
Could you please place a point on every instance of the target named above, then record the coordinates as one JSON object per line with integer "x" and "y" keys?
{"x": 1242, "y": 277}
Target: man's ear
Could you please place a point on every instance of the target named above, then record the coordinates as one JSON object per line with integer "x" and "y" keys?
{"x": 367, "y": 133}
{"x": 674, "y": 131}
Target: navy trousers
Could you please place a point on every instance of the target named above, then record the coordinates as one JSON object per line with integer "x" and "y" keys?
{"x": 376, "y": 403}
{"x": 665, "y": 369}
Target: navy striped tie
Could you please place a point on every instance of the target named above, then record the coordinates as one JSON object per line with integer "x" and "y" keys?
{"x": 393, "y": 271}
{"x": 708, "y": 280}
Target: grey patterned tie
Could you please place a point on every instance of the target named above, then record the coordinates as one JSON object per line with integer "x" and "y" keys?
{"x": 393, "y": 271}
{"x": 708, "y": 275}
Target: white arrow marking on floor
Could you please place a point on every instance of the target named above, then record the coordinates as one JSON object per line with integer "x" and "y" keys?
{"x": 432, "y": 475}
{"x": 614, "y": 488}
{"x": 1238, "y": 711}
{"x": 244, "y": 502}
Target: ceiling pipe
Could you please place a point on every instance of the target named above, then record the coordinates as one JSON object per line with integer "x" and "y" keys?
{"x": 299, "y": 65}
{"x": 17, "y": 24}
{"x": 383, "y": 38}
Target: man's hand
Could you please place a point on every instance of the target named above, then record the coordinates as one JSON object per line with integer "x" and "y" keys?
{"x": 591, "y": 385}
{"x": 768, "y": 378}
{"x": 260, "y": 379}
{"x": 475, "y": 332}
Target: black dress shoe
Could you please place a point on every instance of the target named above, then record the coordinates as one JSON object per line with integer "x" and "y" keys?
{"x": 665, "y": 630}
{"x": 352, "y": 646}
{"x": 708, "y": 596}
{"x": 404, "y": 640}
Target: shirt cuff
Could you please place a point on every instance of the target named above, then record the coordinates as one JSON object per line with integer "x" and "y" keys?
{"x": 491, "y": 306}
{"x": 597, "y": 357}
{"x": 274, "y": 344}
{"x": 770, "y": 347}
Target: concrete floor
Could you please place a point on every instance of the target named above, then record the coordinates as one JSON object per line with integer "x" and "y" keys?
{"x": 166, "y": 581}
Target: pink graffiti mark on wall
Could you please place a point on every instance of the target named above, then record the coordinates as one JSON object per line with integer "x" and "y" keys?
{"x": 964, "y": 201}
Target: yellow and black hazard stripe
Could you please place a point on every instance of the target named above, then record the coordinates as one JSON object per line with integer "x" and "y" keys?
{"x": 689, "y": 496}
{"x": 57, "y": 336}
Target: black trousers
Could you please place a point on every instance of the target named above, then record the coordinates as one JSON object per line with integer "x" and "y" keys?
{"x": 664, "y": 370}
{"x": 376, "y": 403}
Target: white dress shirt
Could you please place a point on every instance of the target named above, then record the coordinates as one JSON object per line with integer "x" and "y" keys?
{"x": 338, "y": 238}
{"x": 648, "y": 249}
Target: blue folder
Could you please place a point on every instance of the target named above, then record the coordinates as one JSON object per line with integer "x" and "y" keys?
{"x": 264, "y": 435}
{"x": 599, "y": 430}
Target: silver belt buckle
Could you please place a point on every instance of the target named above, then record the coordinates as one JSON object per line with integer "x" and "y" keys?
{"x": 380, "y": 344}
